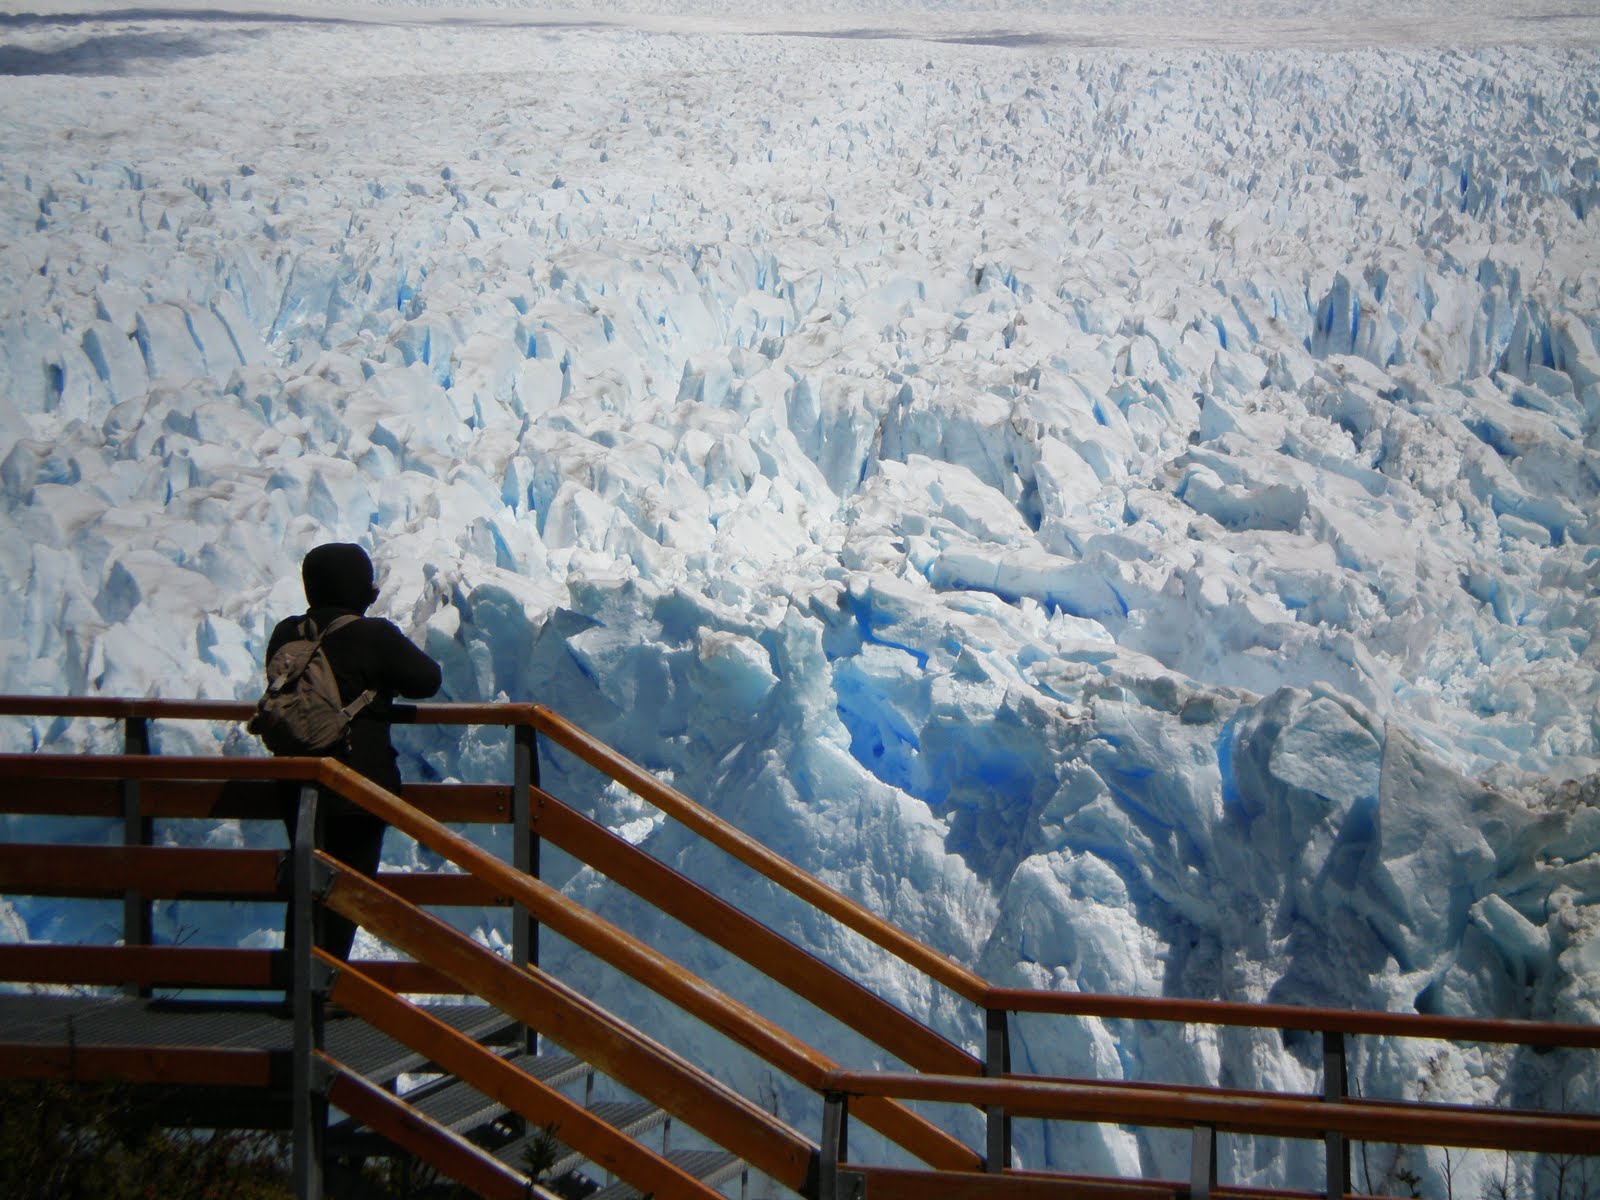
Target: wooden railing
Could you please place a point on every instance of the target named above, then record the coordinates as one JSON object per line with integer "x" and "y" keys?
{"x": 1203, "y": 1111}
{"x": 146, "y": 786}
{"x": 204, "y": 798}
{"x": 444, "y": 960}
{"x": 944, "y": 1071}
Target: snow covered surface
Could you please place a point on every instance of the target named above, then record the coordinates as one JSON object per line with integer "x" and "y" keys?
{"x": 1113, "y": 489}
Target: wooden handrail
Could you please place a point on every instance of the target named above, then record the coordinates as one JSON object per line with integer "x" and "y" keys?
{"x": 158, "y": 872}
{"x": 888, "y": 1183}
{"x": 741, "y": 934}
{"x": 179, "y": 872}
{"x": 529, "y": 995}
{"x": 189, "y": 967}
{"x": 129, "y": 708}
{"x": 1370, "y": 1120}
{"x": 644, "y": 963}
{"x": 498, "y": 1079}
{"x": 899, "y": 1183}
{"x": 259, "y": 800}
{"x": 149, "y": 966}
{"x": 48, "y": 767}
{"x": 124, "y": 708}
{"x": 769, "y": 864}
{"x": 1294, "y": 1016}
{"x": 463, "y": 803}
{"x": 1198, "y": 1089}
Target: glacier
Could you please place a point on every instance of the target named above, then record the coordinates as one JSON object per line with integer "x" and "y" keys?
{"x": 1122, "y": 503}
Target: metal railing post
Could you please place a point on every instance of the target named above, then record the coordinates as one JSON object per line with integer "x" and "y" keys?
{"x": 1202, "y": 1162}
{"x": 136, "y": 911}
{"x": 525, "y": 853}
{"x": 136, "y": 736}
{"x": 525, "y": 849}
{"x": 1335, "y": 1088}
{"x": 310, "y": 1104}
{"x": 835, "y": 1148}
{"x": 997, "y": 1062}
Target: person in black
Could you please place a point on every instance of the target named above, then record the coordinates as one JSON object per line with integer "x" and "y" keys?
{"x": 366, "y": 653}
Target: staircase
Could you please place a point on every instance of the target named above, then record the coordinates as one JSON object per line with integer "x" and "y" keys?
{"x": 523, "y": 1086}
{"x": 536, "y": 1153}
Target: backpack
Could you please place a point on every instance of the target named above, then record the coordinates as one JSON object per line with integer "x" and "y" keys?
{"x": 300, "y": 713}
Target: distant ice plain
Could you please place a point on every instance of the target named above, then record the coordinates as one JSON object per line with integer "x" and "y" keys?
{"x": 935, "y": 437}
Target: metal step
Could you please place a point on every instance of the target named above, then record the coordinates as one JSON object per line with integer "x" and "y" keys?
{"x": 635, "y": 1118}
{"x": 555, "y": 1070}
{"x": 461, "y": 1107}
{"x": 632, "y": 1117}
{"x": 712, "y": 1167}
{"x": 383, "y": 1060}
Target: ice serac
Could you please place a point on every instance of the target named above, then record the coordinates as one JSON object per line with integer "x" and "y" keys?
{"x": 1129, "y": 517}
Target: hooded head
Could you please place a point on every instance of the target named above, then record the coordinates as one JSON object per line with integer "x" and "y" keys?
{"x": 338, "y": 575}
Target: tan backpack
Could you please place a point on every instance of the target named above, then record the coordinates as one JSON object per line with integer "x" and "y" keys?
{"x": 300, "y": 712}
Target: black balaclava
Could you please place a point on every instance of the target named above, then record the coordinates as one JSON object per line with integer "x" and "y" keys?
{"x": 338, "y": 575}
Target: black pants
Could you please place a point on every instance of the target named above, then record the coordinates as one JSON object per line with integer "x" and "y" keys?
{"x": 355, "y": 838}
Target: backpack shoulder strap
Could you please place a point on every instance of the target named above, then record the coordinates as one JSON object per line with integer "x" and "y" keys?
{"x": 367, "y": 697}
{"x": 307, "y": 631}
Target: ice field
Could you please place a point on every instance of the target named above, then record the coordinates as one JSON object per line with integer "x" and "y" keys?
{"x": 1116, "y": 490}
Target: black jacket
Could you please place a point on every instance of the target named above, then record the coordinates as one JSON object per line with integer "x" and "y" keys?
{"x": 369, "y": 652}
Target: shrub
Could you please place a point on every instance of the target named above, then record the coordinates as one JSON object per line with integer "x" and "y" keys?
{"x": 102, "y": 1142}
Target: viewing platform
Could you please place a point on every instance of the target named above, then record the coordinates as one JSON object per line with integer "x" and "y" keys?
{"x": 475, "y": 1062}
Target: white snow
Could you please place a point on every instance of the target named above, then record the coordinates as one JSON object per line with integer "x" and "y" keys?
{"x": 1115, "y": 489}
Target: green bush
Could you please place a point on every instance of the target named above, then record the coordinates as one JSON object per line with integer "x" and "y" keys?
{"x": 101, "y": 1142}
